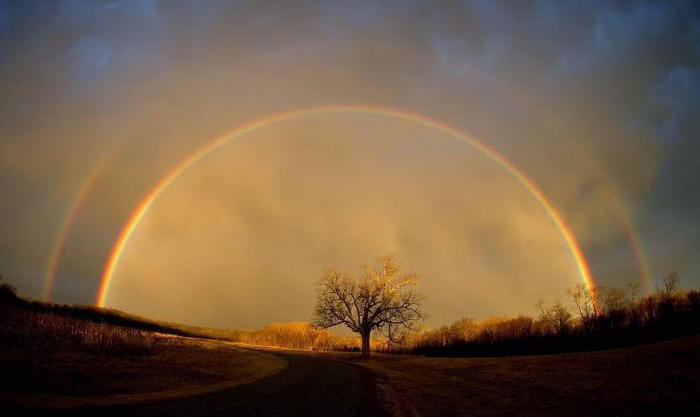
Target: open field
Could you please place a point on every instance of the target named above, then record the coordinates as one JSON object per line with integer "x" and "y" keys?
{"x": 50, "y": 360}
{"x": 70, "y": 379}
{"x": 656, "y": 379}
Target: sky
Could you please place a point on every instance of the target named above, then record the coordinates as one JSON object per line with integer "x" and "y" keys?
{"x": 595, "y": 103}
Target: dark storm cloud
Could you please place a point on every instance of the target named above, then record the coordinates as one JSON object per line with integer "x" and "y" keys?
{"x": 144, "y": 82}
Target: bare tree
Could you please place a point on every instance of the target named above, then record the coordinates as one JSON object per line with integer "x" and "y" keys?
{"x": 380, "y": 299}
{"x": 562, "y": 317}
{"x": 614, "y": 300}
{"x": 670, "y": 284}
{"x": 555, "y": 319}
{"x": 464, "y": 329}
{"x": 584, "y": 300}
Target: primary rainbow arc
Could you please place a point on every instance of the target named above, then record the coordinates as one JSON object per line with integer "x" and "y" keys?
{"x": 147, "y": 202}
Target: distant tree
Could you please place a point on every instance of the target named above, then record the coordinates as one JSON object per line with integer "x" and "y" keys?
{"x": 668, "y": 297}
{"x": 464, "y": 329}
{"x": 670, "y": 284}
{"x": 562, "y": 318}
{"x": 614, "y": 300}
{"x": 381, "y": 299}
{"x": 586, "y": 305}
{"x": 619, "y": 305}
{"x": 553, "y": 320}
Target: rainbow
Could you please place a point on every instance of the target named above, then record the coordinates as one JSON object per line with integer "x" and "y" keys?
{"x": 147, "y": 202}
{"x": 67, "y": 226}
{"x": 593, "y": 169}
{"x": 623, "y": 214}
{"x": 637, "y": 248}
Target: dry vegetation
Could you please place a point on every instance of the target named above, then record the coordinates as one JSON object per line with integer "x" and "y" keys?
{"x": 31, "y": 330}
{"x": 65, "y": 356}
{"x": 53, "y": 359}
{"x": 619, "y": 318}
{"x": 295, "y": 335}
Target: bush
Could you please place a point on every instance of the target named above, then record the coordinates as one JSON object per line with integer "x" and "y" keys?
{"x": 8, "y": 292}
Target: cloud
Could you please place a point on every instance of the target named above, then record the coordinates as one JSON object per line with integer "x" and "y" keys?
{"x": 594, "y": 101}
{"x": 249, "y": 228}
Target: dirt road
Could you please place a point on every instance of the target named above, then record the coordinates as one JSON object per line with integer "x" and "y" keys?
{"x": 310, "y": 386}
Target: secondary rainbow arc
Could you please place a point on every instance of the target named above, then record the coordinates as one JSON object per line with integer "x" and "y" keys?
{"x": 147, "y": 202}
{"x": 68, "y": 224}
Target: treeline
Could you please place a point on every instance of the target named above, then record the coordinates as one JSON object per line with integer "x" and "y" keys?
{"x": 603, "y": 319}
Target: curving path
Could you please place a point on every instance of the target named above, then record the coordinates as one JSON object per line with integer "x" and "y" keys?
{"x": 310, "y": 386}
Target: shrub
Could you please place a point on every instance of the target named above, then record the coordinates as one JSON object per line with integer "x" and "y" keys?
{"x": 8, "y": 292}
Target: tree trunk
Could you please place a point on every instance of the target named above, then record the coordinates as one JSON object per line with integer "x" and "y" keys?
{"x": 365, "y": 343}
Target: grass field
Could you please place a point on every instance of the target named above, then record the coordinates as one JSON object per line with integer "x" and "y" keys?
{"x": 656, "y": 379}
{"x": 50, "y": 360}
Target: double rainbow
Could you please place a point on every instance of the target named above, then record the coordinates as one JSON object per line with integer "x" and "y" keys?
{"x": 146, "y": 203}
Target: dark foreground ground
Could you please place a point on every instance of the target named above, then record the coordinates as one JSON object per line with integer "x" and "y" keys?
{"x": 661, "y": 379}
{"x": 310, "y": 386}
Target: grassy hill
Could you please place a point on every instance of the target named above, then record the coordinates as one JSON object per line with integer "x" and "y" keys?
{"x": 118, "y": 318}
